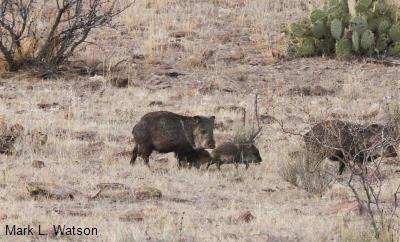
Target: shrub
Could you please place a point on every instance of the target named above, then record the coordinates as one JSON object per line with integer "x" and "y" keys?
{"x": 303, "y": 170}
{"x": 46, "y": 34}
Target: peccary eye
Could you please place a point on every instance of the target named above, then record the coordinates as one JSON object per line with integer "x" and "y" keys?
{"x": 203, "y": 132}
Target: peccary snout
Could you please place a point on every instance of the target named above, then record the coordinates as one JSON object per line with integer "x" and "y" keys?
{"x": 204, "y": 132}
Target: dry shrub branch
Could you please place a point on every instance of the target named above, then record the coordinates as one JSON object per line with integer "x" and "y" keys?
{"x": 45, "y": 34}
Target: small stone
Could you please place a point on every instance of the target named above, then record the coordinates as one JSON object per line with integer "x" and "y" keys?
{"x": 246, "y": 217}
{"x": 132, "y": 216}
{"x": 38, "y": 164}
{"x": 145, "y": 193}
{"x": 119, "y": 82}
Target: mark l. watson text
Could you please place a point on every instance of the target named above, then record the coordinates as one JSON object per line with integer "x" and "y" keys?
{"x": 58, "y": 230}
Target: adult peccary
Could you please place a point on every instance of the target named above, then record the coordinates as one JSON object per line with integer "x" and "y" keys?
{"x": 197, "y": 158}
{"x": 169, "y": 132}
{"x": 345, "y": 141}
{"x": 232, "y": 153}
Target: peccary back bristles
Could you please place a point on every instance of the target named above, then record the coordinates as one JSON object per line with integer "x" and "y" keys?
{"x": 344, "y": 141}
{"x": 169, "y": 132}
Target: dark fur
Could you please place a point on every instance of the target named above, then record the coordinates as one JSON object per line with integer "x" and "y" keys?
{"x": 344, "y": 141}
{"x": 197, "y": 158}
{"x": 230, "y": 153}
{"x": 169, "y": 132}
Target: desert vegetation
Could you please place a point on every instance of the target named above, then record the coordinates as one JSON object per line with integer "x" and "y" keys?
{"x": 70, "y": 99}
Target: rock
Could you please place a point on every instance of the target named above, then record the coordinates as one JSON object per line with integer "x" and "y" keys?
{"x": 112, "y": 186}
{"x": 94, "y": 148}
{"x": 132, "y": 216}
{"x": 38, "y": 137}
{"x": 8, "y": 136}
{"x": 95, "y": 84}
{"x": 119, "y": 82}
{"x": 156, "y": 103}
{"x": 246, "y": 217}
{"x": 269, "y": 190}
{"x": 122, "y": 193}
{"x": 267, "y": 119}
{"x": 7, "y": 144}
{"x": 38, "y": 164}
{"x": 50, "y": 106}
{"x": 72, "y": 212}
{"x": 114, "y": 192}
{"x": 17, "y": 130}
{"x": 85, "y": 135}
{"x": 202, "y": 59}
{"x": 181, "y": 34}
{"x": 310, "y": 91}
{"x": 145, "y": 193}
{"x": 170, "y": 72}
{"x": 230, "y": 236}
{"x": 52, "y": 191}
{"x": 125, "y": 153}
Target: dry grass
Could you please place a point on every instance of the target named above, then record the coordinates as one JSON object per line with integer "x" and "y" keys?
{"x": 197, "y": 205}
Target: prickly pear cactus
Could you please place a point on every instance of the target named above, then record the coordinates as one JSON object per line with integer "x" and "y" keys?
{"x": 381, "y": 7}
{"x": 359, "y": 24}
{"x": 383, "y": 27}
{"x": 394, "y": 49}
{"x": 337, "y": 9}
{"x": 319, "y": 29}
{"x": 298, "y": 29}
{"x": 362, "y": 6}
{"x": 318, "y": 15}
{"x": 394, "y": 32}
{"x": 347, "y": 28}
{"x": 324, "y": 46}
{"x": 306, "y": 48}
{"x": 367, "y": 40}
{"x": 337, "y": 29}
{"x": 343, "y": 49}
{"x": 355, "y": 39}
{"x": 382, "y": 43}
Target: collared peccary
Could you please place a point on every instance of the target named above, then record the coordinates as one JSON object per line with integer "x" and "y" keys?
{"x": 196, "y": 158}
{"x": 345, "y": 141}
{"x": 231, "y": 153}
{"x": 169, "y": 132}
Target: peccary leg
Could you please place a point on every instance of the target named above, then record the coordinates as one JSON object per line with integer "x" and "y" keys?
{"x": 209, "y": 164}
{"x": 342, "y": 166}
{"x": 145, "y": 153}
{"x": 134, "y": 155}
{"x": 236, "y": 165}
{"x": 219, "y": 165}
{"x": 247, "y": 165}
{"x": 180, "y": 157}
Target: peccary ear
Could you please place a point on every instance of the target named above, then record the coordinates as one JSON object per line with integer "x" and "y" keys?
{"x": 212, "y": 118}
{"x": 197, "y": 119}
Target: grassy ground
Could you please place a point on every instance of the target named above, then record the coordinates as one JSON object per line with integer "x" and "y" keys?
{"x": 223, "y": 58}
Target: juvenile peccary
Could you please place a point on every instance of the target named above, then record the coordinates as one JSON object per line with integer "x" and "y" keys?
{"x": 231, "y": 153}
{"x": 345, "y": 141}
{"x": 197, "y": 158}
{"x": 169, "y": 132}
